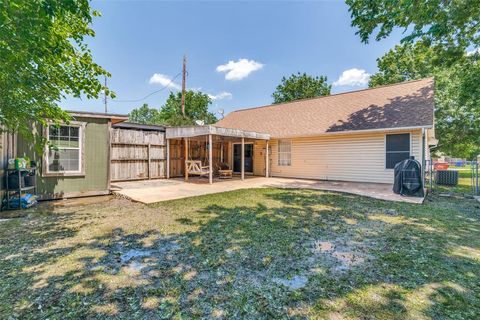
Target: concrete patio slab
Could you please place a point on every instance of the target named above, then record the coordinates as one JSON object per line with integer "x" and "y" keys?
{"x": 151, "y": 191}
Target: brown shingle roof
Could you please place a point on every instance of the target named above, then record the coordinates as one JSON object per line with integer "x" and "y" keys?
{"x": 407, "y": 104}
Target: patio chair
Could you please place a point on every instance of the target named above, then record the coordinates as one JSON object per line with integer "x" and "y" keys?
{"x": 224, "y": 171}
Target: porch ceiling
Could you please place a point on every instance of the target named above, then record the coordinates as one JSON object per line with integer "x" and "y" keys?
{"x": 195, "y": 131}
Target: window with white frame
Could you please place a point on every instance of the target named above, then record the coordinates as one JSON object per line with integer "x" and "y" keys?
{"x": 65, "y": 151}
{"x": 284, "y": 152}
{"x": 397, "y": 149}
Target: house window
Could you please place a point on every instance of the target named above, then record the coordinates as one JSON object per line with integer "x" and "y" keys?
{"x": 397, "y": 148}
{"x": 65, "y": 151}
{"x": 284, "y": 152}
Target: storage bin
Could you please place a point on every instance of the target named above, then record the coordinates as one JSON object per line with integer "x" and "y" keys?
{"x": 30, "y": 180}
{"x": 13, "y": 182}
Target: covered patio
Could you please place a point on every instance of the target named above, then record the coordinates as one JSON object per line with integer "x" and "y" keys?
{"x": 210, "y": 151}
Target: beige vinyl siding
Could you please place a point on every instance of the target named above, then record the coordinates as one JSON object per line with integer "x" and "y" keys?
{"x": 343, "y": 157}
{"x": 259, "y": 158}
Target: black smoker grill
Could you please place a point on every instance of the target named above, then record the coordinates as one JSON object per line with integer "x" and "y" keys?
{"x": 408, "y": 178}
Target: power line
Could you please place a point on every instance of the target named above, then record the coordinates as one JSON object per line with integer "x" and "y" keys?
{"x": 152, "y": 93}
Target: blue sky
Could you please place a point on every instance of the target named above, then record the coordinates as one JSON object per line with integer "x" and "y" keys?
{"x": 237, "y": 51}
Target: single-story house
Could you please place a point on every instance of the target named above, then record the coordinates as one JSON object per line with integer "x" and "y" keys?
{"x": 353, "y": 136}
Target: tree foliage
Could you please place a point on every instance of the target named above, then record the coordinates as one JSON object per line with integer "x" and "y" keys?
{"x": 196, "y": 108}
{"x": 43, "y": 58}
{"x": 411, "y": 61}
{"x": 448, "y": 23}
{"x": 457, "y": 94}
{"x": 301, "y": 86}
{"x": 145, "y": 115}
{"x": 438, "y": 33}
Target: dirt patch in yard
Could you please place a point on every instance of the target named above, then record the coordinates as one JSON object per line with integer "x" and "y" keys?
{"x": 341, "y": 254}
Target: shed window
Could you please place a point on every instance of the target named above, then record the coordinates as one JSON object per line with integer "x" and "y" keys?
{"x": 284, "y": 152}
{"x": 65, "y": 151}
{"x": 397, "y": 148}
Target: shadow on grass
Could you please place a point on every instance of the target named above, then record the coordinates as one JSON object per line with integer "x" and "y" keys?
{"x": 276, "y": 254}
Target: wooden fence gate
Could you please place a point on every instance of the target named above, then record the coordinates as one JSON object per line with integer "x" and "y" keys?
{"x": 137, "y": 154}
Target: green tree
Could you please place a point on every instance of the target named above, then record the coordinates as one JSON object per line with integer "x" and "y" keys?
{"x": 446, "y": 23}
{"x": 145, "y": 115}
{"x": 457, "y": 94}
{"x": 411, "y": 61}
{"x": 196, "y": 108}
{"x": 437, "y": 35}
{"x": 43, "y": 58}
{"x": 301, "y": 86}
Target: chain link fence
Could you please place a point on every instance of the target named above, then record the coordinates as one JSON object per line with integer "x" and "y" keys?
{"x": 458, "y": 178}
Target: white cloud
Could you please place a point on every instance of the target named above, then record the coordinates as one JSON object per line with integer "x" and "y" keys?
{"x": 240, "y": 69}
{"x": 164, "y": 81}
{"x": 353, "y": 77}
{"x": 472, "y": 52}
{"x": 222, "y": 95}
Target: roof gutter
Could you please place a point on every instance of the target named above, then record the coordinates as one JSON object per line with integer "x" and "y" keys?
{"x": 354, "y": 132}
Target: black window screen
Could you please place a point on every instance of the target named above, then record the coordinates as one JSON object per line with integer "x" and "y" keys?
{"x": 397, "y": 149}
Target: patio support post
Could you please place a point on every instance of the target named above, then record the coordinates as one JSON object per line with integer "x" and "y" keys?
{"x": 186, "y": 158}
{"x": 267, "y": 162}
{"x": 221, "y": 152}
{"x": 167, "y": 155}
{"x": 210, "y": 162}
{"x": 243, "y": 158}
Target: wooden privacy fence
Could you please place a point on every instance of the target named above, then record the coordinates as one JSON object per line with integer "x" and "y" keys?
{"x": 137, "y": 154}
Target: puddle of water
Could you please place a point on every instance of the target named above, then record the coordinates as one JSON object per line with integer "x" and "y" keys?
{"x": 136, "y": 266}
{"x": 391, "y": 212}
{"x": 133, "y": 253}
{"x": 297, "y": 282}
{"x": 173, "y": 247}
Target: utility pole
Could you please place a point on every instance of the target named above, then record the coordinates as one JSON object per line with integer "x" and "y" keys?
{"x": 184, "y": 76}
{"x": 105, "y": 96}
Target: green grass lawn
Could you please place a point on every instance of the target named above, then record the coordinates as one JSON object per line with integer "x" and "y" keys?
{"x": 258, "y": 253}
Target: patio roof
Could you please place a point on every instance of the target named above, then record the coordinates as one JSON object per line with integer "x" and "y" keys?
{"x": 195, "y": 131}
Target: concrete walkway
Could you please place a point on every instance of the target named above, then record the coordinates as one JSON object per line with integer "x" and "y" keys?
{"x": 151, "y": 191}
